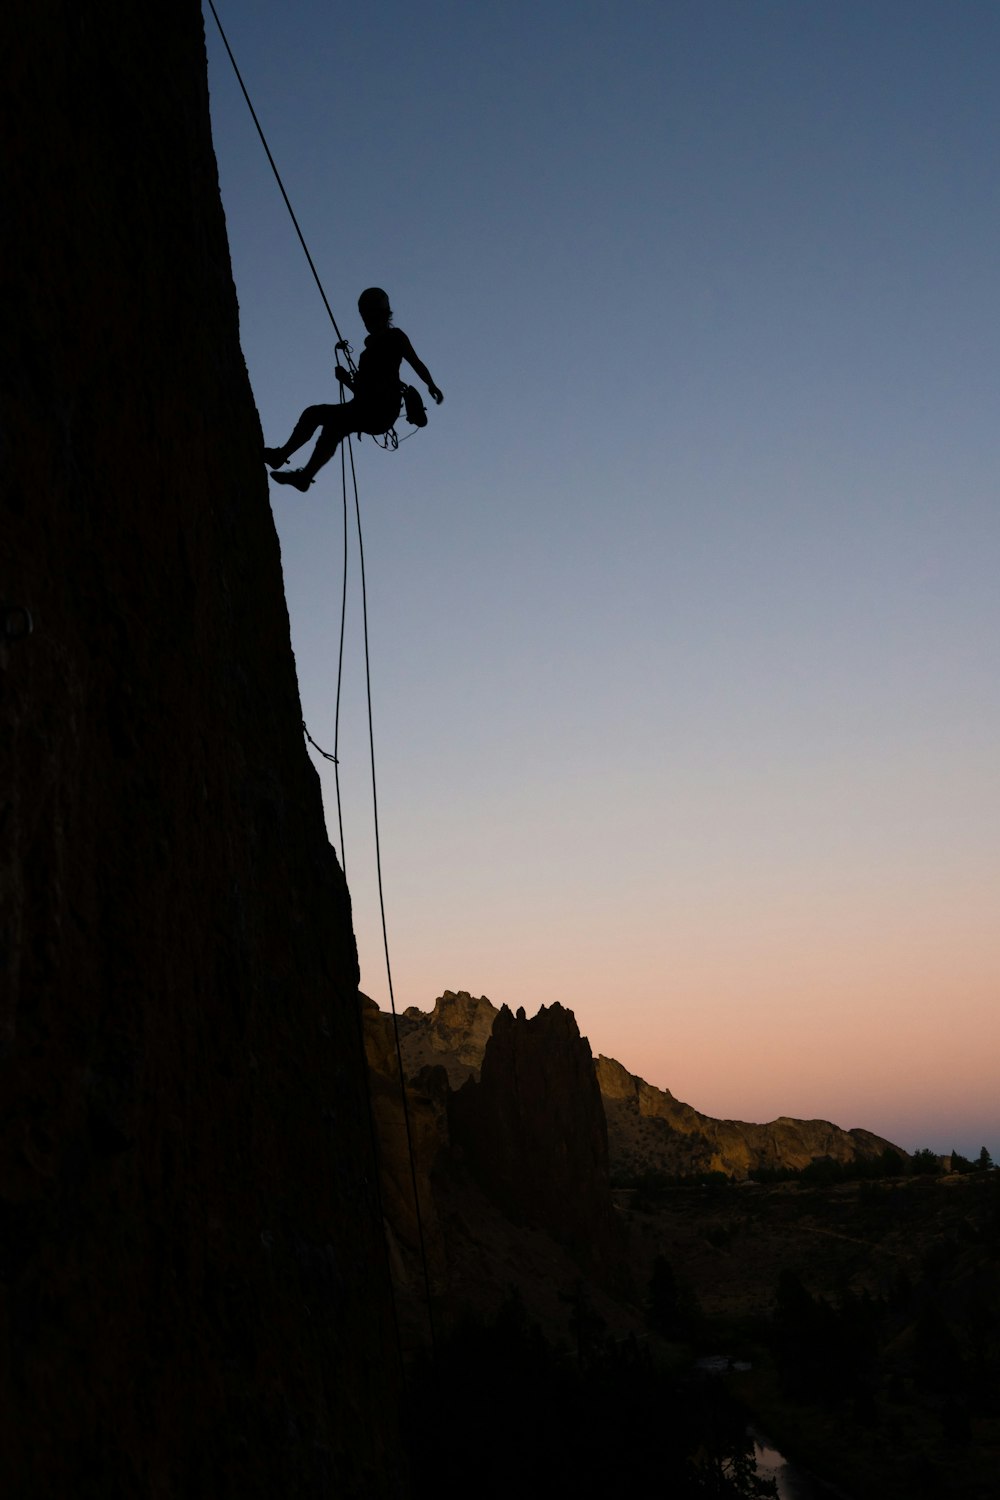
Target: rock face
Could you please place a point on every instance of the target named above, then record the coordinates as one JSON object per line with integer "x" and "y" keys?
{"x": 651, "y": 1130}
{"x": 193, "y": 1285}
{"x": 533, "y": 1131}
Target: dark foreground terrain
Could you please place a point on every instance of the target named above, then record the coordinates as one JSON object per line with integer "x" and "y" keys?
{"x": 869, "y": 1312}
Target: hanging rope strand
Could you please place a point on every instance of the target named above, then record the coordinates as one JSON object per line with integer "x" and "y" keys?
{"x": 385, "y": 931}
{"x": 340, "y": 652}
{"x": 274, "y": 169}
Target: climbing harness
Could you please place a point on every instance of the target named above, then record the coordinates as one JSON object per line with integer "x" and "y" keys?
{"x": 390, "y": 440}
{"x": 410, "y": 397}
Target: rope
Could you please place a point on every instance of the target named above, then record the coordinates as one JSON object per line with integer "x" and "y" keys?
{"x": 369, "y": 1103}
{"x": 385, "y": 931}
{"x": 371, "y": 737}
{"x": 325, "y": 753}
{"x": 340, "y": 652}
{"x": 274, "y": 169}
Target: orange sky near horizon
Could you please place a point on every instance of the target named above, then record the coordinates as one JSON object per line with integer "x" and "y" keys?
{"x": 892, "y": 1034}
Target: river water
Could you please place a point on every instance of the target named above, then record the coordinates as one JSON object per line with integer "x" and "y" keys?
{"x": 794, "y": 1483}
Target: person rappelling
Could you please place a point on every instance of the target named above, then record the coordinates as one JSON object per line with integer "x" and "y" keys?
{"x": 377, "y": 392}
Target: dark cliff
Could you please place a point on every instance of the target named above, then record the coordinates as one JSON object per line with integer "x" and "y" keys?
{"x": 193, "y": 1288}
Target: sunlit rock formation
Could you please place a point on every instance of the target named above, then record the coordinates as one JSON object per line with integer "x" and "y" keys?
{"x": 653, "y": 1131}
{"x": 453, "y": 1035}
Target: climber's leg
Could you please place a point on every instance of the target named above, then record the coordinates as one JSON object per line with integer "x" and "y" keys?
{"x": 311, "y": 418}
{"x": 337, "y": 422}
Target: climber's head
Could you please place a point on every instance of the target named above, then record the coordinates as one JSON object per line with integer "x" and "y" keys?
{"x": 373, "y": 305}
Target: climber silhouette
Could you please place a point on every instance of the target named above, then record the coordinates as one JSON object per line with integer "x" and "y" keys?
{"x": 376, "y": 390}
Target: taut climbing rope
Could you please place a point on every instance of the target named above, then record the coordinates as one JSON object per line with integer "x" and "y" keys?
{"x": 274, "y": 169}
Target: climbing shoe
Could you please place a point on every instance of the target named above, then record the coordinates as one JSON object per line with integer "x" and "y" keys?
{"x": 297, "y": 477}
{"x": 274, "y": 458}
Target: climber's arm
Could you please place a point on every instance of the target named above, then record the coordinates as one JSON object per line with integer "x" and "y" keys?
{"x": 417, "y": 364}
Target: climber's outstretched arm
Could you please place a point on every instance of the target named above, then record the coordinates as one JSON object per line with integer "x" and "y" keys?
{"x": 417, "y": 364}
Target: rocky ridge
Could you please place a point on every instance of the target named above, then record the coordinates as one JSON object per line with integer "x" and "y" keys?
{"x": 517, "y": 1132}
{"x": 653, "y": 1131}
{"x": 647, "y": 1128}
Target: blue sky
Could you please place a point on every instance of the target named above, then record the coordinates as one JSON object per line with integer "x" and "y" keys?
{"x": 683, "y": 607}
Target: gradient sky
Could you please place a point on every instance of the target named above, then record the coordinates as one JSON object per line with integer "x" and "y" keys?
{"x": 684, "y": 608}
